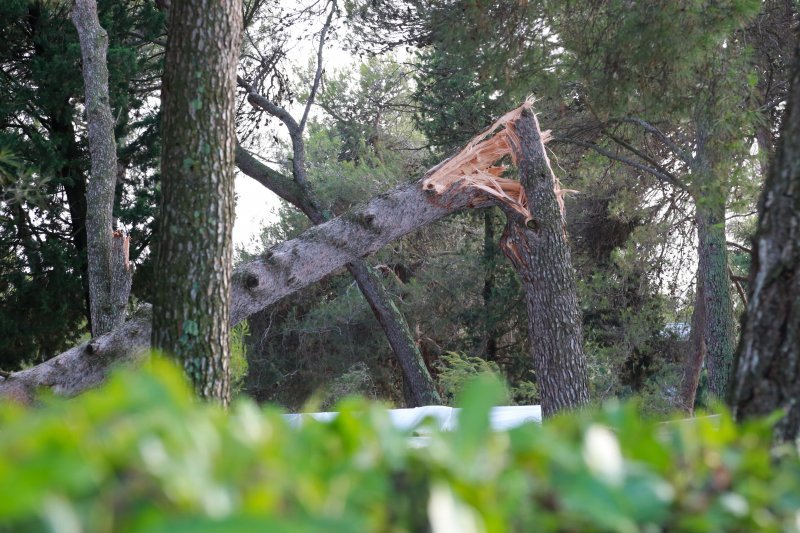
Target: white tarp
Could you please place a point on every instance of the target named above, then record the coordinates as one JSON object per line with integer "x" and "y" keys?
{"x": 446, "y": 418}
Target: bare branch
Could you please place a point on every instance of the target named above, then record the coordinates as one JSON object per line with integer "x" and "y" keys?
{"x": 682, "y": 154}
{"x": 273, "y": 180}
{"x": 740, "y": 247}
{"x": 273, "y": 109}
{"x": 318, "y": 76}
{"x": 736, "y": 280}
{"x": 635, "y": 151}
{"x": 668, "y": 178}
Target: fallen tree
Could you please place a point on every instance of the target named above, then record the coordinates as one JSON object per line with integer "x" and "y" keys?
{"x": 470, "y": 179}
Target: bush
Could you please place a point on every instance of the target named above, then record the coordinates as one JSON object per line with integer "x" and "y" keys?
{"x": 238, "y": 365}
{"x": 456, "y": 371}
{"x": 140, "y": 454}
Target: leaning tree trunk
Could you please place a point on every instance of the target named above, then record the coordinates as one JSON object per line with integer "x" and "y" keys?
{"x": 191, "y": 313}
{"x": 108, "y": 268}
{"x": 767, "y": 374}
{"x": 540, "y": 253}
{"x": 421, "y": 389}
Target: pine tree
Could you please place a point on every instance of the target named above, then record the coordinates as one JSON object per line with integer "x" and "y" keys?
{"x": 191, "y": 312}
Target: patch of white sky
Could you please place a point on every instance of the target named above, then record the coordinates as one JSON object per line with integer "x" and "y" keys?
{"x": 256, "y": 206}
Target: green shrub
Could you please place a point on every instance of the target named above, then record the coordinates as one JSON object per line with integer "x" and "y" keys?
{"x": 457, "y": 370}
{"x": 357, "y": 381}
{"x": 140, "y": 454}
{"x": 238, "y": 367}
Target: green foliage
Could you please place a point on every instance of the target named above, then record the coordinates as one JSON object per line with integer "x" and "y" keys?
{"x": 456, "y": 371}
{"x": 43, "y": 247}
{"x": 473, "y": 71}
{"x": 238, "y": 366}
{"x": 662, "y": 58}
{"x": 141, "y": 454}
{"x": 357, "y": 381}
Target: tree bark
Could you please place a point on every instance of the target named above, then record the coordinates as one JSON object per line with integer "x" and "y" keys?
{"x": 540, "y": 253}
{"x": 108, "y": 269}
{"x": 767, "y": 375}
{"x": 191, "y": 313}
{"x": 695, "y": 352}
{"x": 282, "y": 270}
{"x": 710, "y": 188}
{"x": 719, "y": 333}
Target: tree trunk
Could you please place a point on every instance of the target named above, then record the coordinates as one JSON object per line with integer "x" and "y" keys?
{"x": 282, "y": 270}
{"x": 109, "y": 272}
{"x": 710, "y": 188}
{"x": 695, "y": 352}
{"x": 719, "y": 332}
{"x": 541, "y": 255}
{"x": 420, "y": 387}
{"x": 767, "y": 374}
{"x": 191, "y": 314}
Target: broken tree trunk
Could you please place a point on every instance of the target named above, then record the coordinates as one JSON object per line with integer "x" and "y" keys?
{"x": 109, "y": 272}
{"x": 539, "y": 251}
{"x": 468, "y": 180}
{"x": 535, "y": 242}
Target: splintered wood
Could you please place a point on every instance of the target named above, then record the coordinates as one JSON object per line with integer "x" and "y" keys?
{"x": 476, "y": 165}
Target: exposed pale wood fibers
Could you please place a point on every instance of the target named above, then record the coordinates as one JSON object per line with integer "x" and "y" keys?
{"x": 475, "y": 165}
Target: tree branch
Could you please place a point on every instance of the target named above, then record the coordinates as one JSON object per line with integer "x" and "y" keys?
{"x": 295, "y": 134}
{"x": 684, "y": 156}
{"x": 740, "y": 247}
{"x": 318, "y": 76}
{"x": 273, "y": 109}
{"x": 672, "y": 180}
{"x": 273, "y": 180}
{"x": 736, "y": 283}
{"x": 635, "y": 151}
